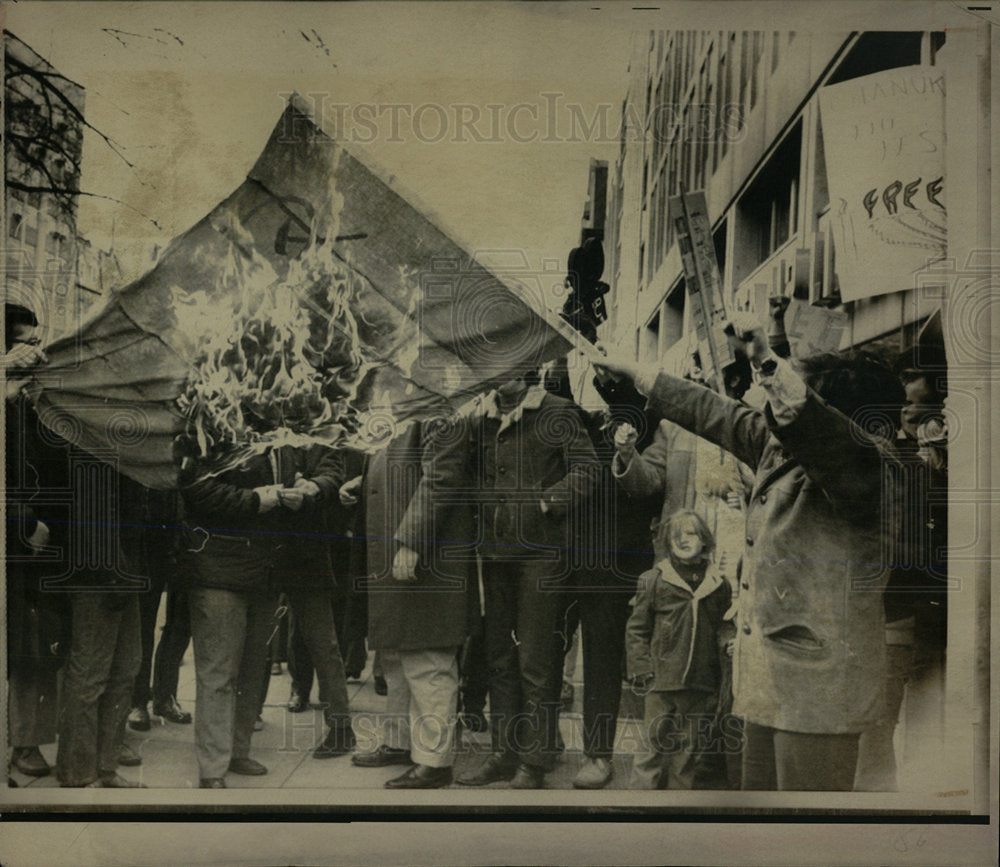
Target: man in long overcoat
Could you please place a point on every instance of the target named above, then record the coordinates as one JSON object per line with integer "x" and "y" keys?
{"x": 419, "y": 589}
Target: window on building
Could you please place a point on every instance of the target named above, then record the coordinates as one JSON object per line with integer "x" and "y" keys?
{"x": 766, "y": 212}
{"x": 775, "y": 47}
{"x": 650, "y": 340}
{"x": 16, "y": 221}
{"x": 744, "y": 68}
{"x": 680, "y": 49}
{"x": 719, "y": 242}
{"x": 727, "y": 96}
{"x": 878, "y": 51}
{"x": 757, "y": 53}
{"x": 672, "y": 323}
{"x": 700, "y": 120}
{"x": 936, "y": 44}
{"x": 721, "y": 95}
{"x": 57, "y": 245}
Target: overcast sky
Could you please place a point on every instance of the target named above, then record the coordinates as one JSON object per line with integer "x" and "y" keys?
{"x": 191, "y": 91}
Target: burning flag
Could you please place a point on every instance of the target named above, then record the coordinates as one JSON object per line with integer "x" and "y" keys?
{"x": 316, "y": 303}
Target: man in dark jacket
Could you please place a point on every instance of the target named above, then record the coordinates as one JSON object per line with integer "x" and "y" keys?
{"x": 535, "y": 472}
{"x": 419, "y": 556}
{"x": 810, "y": 657}
{"x": 249, "y": 531}
{"x": 36, "y": 619}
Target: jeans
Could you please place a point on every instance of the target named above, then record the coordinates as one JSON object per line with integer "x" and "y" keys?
{"x": 97, "y": 684}
{"x": 32, "y": 707}
{"x": 230, "y": 632}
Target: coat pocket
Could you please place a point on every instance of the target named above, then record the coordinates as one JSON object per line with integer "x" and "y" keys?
{"x": 797, "y": 637}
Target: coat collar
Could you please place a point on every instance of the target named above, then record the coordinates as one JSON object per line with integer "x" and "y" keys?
{"x": 532, "y": 399}
{"x": 709, "y": 583}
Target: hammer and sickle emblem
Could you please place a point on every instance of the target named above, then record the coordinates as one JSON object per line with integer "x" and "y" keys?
{"x": 295, "y": 231}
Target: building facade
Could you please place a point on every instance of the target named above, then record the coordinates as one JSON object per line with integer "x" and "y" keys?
{"x": 48, "y": 266}
{"x": 736, "y": 114}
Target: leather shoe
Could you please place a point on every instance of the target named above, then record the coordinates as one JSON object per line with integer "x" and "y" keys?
{"x": 421, "y": 777}
{"x": 247, "y": 767}
{"x": 528, "y": 777}
{"x": 297, "y": 703}
{"x": 138, "y": 719}
{"x": 496, "y": 768}
{"x": 593, "y": 774}
{"x": 338, "y": 742}
{"x": 381, "y": 687}
{"x": 382, "y": 756}
{"x": 277, "y": 670}
{"x": 211, "y": 783}
{"x": 128, "y": 757}
{"x": 171, "y": 711}
{"x": 258, "y": 724}
{"x": 115, "y": 781}
{"x": 30, "y": 761}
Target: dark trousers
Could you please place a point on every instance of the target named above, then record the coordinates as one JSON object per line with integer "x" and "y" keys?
{"x": 602, "y": 617}
{"x": 474, "y": 672}
{"x": 312, "y": 616}
{"x": 300, "y": 664}
{"x": 170, "y": 651}
{"x": 797, "y": 761}
{"x": 522, "y": 647}
{"x": 97, "y": 681}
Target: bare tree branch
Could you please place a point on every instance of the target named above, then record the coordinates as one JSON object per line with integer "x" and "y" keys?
{"x": 42, "y": 79}
{"x": 35, "y": 188}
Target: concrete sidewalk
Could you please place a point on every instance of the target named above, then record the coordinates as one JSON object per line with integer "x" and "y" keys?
{"x": 285, "y": 744}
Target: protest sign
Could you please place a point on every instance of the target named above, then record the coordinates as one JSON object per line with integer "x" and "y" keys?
{"x": 883, "y": 138}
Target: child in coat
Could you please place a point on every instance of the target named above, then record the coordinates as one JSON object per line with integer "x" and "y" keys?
{"x": 673, "y": 640}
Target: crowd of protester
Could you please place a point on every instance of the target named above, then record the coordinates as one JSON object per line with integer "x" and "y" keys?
{"x": 467, "y": 551}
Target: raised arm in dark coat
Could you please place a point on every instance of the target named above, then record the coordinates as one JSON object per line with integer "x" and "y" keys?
{"x": 740, "y": 430}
